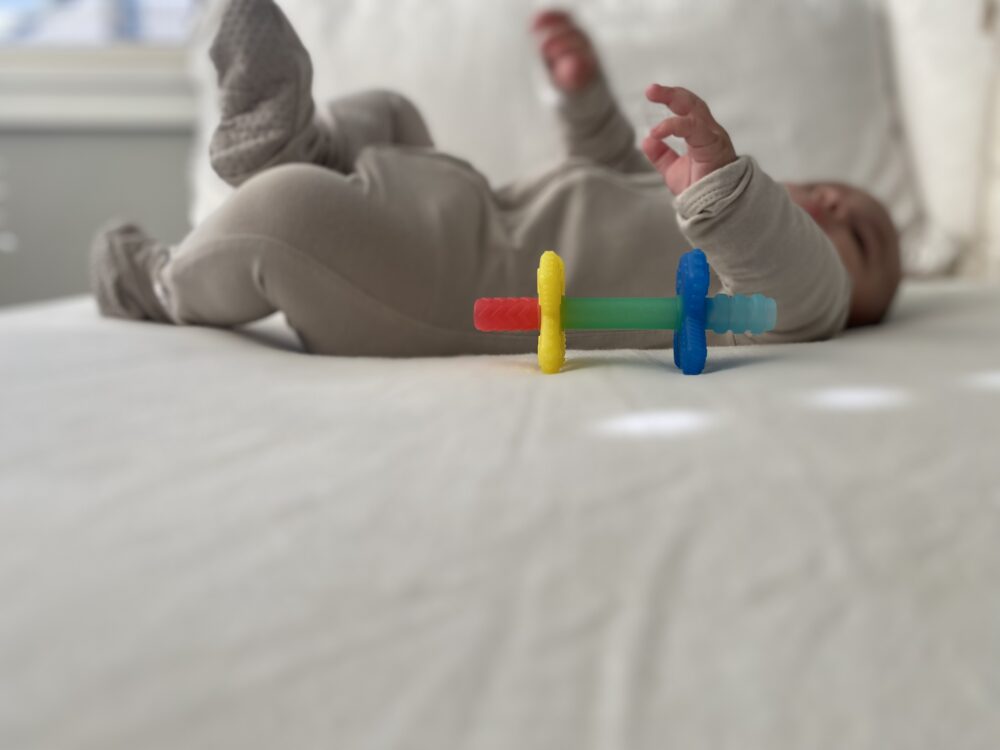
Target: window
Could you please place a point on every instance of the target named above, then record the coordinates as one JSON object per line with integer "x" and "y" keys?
{"x": 61, "y": 23}
{"x": 119, "y": 64}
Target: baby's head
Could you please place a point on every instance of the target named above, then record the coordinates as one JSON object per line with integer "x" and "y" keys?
{"x": 866, "y": 239}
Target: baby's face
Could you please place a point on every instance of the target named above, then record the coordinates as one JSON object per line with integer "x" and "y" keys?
{"x": 866, "y": 239}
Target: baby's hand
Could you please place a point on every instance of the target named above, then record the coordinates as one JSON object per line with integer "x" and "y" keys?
{"x": 708, "y": 144}
{"x": 566, "y": 50}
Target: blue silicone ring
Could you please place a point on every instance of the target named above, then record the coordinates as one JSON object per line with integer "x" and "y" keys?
{"x": 690, "y": 346}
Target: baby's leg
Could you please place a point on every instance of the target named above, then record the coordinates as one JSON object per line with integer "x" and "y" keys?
{"x": 267, "y": 112}
{"x": 592, "y": 124}
{"x": 353, "y": 275}
{"x": 374, "y": 117}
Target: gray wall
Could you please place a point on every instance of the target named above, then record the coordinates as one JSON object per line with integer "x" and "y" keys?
{"x": 58, "y": 187}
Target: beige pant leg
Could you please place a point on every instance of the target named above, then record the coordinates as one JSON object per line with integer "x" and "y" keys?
{"x": 353, "y": 273}
{"x": 371, "y": 118}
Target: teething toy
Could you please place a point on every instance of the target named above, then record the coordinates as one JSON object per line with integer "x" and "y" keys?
{"x": 690, "y": 313}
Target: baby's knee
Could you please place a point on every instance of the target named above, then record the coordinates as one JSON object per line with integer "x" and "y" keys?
{"x": 285, "y": 201}
{"x": 286, "y": 178}
{"x": 401, "y": 115}
{"x": 386, "y": 100}
{"x": 292, "y": 188}
{"x": 400, "y": 104}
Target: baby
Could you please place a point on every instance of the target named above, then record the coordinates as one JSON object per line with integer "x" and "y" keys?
{"x": 371, "y": 242}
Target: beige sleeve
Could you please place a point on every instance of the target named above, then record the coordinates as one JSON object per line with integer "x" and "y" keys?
{"x": 758, "y": 241}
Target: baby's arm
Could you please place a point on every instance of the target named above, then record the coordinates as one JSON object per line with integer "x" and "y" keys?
{"x": 755, "y": 237}
{"x": 592, "y": 124}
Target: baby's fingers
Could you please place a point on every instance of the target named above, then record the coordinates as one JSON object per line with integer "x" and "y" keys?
{"x": 659, "y": 154}
{"x": 679, "y": 127}
{"x": 697, "y": 132}
{"x": 564, "y": 43}
{"x": 551, "y": 18}
{"x": 679, "y": 100}
{"x": 709, "y": 146}
{"x": 682, "y": 102}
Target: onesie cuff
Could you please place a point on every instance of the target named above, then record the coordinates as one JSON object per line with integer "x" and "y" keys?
{"x": 594, "y": 101}
{"x": 714, "y": 193}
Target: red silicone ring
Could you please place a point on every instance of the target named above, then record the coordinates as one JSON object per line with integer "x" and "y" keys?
{"x": 507, "y": 314}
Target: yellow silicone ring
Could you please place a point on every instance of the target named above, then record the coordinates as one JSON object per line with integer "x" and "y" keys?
{"x": 551, "y": 288}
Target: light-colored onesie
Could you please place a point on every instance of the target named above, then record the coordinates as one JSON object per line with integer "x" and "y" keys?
{"x": 371, "y": 242}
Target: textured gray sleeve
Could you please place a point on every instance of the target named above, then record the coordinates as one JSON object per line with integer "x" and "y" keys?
{"x": 758, "y": 240}
{"x": 594, "y": 127}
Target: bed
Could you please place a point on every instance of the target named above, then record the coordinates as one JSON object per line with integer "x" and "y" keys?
{"x": 209, "y": 539}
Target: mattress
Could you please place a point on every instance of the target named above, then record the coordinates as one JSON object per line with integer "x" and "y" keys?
{"x": 209, "y": 539}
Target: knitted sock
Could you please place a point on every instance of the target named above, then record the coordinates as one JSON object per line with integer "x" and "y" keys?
{"x": 124, "y": 262}
{"x": 265, "y": 86}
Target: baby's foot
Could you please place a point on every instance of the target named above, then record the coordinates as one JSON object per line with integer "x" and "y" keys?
{"x": 265, "y": 92}
{"x": 124, "y": 262}
{"x": 566, "y": 50}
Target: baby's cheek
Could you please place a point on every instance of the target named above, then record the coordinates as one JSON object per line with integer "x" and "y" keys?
{"x": 848, "y": 251}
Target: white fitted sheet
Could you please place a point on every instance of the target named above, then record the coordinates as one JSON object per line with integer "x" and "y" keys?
{"x": 208, "y": 541}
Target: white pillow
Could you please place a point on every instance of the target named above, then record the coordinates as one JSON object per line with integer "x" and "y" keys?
{"x": 945, "y": 63}
{"x": 803, "y": 85}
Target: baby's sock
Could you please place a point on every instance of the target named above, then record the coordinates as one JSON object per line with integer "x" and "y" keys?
{"x": 124, "y": 263}
{"x": 265, "y": 90}
{"x": 594, "y": 128}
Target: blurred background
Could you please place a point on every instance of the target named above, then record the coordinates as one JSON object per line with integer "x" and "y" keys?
{"x": 106, "y": 105}
{"x": 96, "y": 120}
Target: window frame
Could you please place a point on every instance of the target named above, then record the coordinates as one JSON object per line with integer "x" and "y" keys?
{"x": 119, "y": 86}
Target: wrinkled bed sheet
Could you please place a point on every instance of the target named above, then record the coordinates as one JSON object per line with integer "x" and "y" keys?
{"x": 210, "y": 540}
